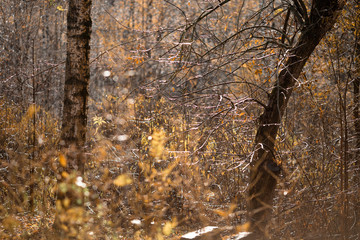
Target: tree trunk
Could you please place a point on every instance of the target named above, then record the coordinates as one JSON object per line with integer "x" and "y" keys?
{"x": 264, "y": 169}
{"x": 73, "y": 135}
{"x": 77, "y": 76}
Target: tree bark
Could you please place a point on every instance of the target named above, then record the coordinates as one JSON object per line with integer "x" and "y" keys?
{"x": 77, "y": 75}
{"x": 264, "y": 170}
{"x": 74, "y": 119}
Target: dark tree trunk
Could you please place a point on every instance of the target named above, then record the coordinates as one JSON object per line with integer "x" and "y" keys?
{"x": 264, "y": 168}
{"x": 74, "y": 119}
{"x": 77, "y": 75}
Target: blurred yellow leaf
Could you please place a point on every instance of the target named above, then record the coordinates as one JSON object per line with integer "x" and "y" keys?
{"x": 168, "y": 227}
{"x": 158, "y": 140}
{"x": 32, "y": 110}
{"x": 62, "y": 160}
{"x": 243, "y": 228}
{"x": 278, "y": 10}
{"x": 221, "y": 213}
{"x": 75, "y": 213}
{"x": 58, "y": 205}
{"x": 66, "y": 202}
{"x": 60, "y": 8}
{"x": 64, "y": 174}
{"x": 225, "y": 213}
{"x": 122, "y": 180}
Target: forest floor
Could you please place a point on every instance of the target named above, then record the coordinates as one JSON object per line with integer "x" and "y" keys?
{"x": 33, "y": 226}
{"x": 25, "y": 225}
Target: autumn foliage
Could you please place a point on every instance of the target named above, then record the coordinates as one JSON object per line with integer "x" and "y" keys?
{"x": 175, "y": 96}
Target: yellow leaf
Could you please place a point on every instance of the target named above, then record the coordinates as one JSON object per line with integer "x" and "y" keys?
{"x": 98, "y": 121}
{"x": 64, "y": 174}
{"x": 76, "y": 213}
{"x": 243, "y": 228}
{"x": 221, "y": 213}
{"x": 279, "y": 10}
{"x": 122, "y": 180}
{"x": 62, "y": 160}
{"x": 225, "y": 213}
{"x": 66, "y": 202}
{"x": 31, "y": 110}
{"x": 168, "y": 227}
{"x": 60, "y": 8}
{"x": 58, "y": 205}
{"x": 158, "y": 140}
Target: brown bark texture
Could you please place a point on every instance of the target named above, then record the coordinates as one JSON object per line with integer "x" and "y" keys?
{"x": 264, "y": 170}
{"x": 77, "y": 76}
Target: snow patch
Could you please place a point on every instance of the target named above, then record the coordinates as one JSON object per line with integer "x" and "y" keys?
{"x": 106, "y": 73}
{"x": 192, "y": 235}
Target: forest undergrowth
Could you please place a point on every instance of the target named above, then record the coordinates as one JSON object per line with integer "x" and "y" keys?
{"x": 146, "y": 178}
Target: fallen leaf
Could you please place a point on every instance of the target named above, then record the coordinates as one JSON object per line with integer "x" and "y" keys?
{"x": 122, "y": 180}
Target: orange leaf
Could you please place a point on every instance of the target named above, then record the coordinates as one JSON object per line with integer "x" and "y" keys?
{"x": 62, "y": 160}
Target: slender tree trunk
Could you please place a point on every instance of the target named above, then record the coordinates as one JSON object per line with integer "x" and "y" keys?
{"x": 73, "y": 135}
{"x": 264, "y": 169}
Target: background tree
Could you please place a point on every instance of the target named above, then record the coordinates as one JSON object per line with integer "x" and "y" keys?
{"x": 74, "y": 119}
{"x": 264, "y": 168}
